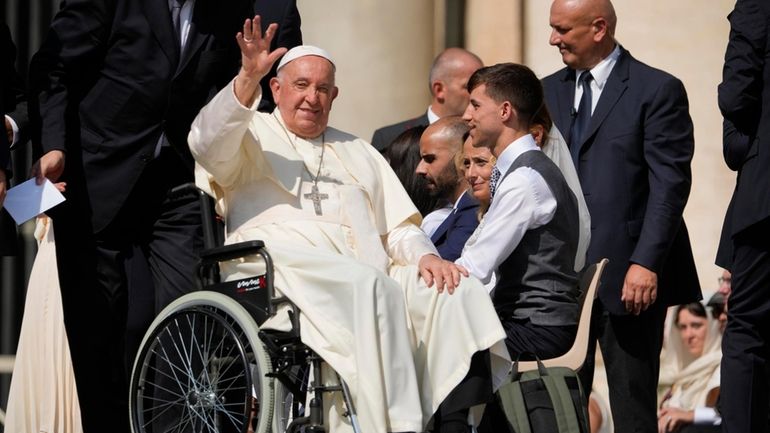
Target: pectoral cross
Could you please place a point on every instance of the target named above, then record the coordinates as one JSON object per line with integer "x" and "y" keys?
{"x": 316, "y": 197}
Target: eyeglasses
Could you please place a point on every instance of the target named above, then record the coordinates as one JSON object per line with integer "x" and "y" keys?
{"x": 723, "y": 280}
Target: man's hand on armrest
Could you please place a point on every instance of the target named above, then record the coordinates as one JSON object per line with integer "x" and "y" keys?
{"x": 434, "y": 269}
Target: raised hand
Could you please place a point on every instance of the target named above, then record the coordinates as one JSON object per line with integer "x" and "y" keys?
{"x": 256, "y": 58}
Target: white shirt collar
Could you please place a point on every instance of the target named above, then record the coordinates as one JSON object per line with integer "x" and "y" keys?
{"x": 601, "y": 72}
{"x": 432, "y": 117}
{"x": 519, "y": 146}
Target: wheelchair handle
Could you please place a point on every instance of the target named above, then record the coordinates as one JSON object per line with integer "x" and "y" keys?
{"x": 211, "y": 238}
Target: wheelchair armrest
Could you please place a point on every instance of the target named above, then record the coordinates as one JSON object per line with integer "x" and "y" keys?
{"x": 232, "y": 251}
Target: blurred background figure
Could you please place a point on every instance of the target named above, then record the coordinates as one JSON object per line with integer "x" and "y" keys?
{"x": 449, "y": 94}
{"x": 403, "y": 155}
{"x": 718, "y": 301}
{"x": 694, "y": 346}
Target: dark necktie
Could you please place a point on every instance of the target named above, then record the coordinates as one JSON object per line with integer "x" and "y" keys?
{"x": 583, "y": 118}
{"x": 176, "y": 10}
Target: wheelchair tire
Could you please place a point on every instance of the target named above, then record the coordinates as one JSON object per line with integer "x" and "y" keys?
{"x": 200, "y": 363}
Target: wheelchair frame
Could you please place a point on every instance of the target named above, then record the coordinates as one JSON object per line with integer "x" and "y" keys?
{"x": 225, "y": 316}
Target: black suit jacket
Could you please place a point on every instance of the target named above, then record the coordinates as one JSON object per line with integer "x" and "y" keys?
{"x": 12, "y": 103}
{"x": 385, "y": 135}
{"x": 110, "y": 79}
{"x": 289, "y": 35}
{"x": 450, "y": 237}
{"x": 744, "y": 99}
{"x": 13, "y": 100}
{"x": 634, "y": 168}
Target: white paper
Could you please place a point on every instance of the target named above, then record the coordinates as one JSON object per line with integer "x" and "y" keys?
{"x": 28, "y": 200}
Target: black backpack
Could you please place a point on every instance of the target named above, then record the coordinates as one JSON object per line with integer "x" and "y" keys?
{"x": 546, "y": 400}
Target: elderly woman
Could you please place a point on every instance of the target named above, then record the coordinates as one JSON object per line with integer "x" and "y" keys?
{"x": 694, "y": 343}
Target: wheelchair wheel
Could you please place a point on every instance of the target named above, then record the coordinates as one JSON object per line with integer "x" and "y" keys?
{"x": 202, "y": 368}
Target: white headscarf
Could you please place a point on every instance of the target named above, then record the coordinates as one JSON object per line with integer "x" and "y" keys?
{"x": 693, "y": 377}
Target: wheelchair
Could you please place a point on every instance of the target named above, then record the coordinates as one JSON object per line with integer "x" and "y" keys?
{"x": 205, "y": 365}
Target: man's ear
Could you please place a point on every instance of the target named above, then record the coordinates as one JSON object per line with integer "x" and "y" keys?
{"x": 437, "y": 88}
{"x": 335, "y": 92}
{"x": 275, "y": 87}
{"x": 599, "y": 27}
{"x": 507, "y": 112}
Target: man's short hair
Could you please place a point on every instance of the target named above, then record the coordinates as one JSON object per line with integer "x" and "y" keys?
{"x": 514, "y": 83}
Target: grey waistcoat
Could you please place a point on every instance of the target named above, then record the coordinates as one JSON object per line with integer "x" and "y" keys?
{"x": 538, "y": 281}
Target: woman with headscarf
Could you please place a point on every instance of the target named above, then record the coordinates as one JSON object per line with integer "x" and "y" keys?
{"x": 694, "y": 345}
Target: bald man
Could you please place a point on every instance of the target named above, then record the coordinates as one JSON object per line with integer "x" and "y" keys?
{"x": 448, "y": 80}
{"x": 631, "y": 138}
{"x": 440, "y": 147}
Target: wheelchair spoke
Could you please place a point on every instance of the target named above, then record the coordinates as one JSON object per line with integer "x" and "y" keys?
{"x": 167, "y": 405}
{"x": 194, "y": 343}
{"x": 188, "y": 365}
{"x": 204, "y": 417}
{"x": 163, "y": 373}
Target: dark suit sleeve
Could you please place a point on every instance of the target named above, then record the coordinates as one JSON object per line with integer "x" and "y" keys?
{"x": 458, "y": 235}
{"x": 69, "y": 58}
{"x": 19, "y": 114}
{"x": 288, "y": 35}
{"x": 735, "y": 144}
{"x": 668, "y": 151}
{"x": 741, "y": 87}
{"x": 290, "y": 32}
{"x": 5, "y": 161}
{"x": 12, "y": 95}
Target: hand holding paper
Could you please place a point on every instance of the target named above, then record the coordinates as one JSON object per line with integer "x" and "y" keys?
{"x": 28, "y": 200}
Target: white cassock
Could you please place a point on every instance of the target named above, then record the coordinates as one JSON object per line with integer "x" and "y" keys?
{"x": 351, "y": 271}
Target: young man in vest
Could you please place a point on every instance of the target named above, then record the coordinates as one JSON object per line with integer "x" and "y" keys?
{"x": 530, "y": 233}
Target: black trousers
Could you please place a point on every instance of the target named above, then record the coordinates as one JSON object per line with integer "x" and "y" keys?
{"x": 114, "y": 282}
{"x": 630, "y": 347}
{"x": 746, "y": 341}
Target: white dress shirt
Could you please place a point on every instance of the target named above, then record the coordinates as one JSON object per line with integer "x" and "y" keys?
{"x": 434, "y": 219}
{"x": 601, "y": 74}
{"x": 522, "y": 202}
{"x": 14, "y": 128}
{"x": 432, "y": 117}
